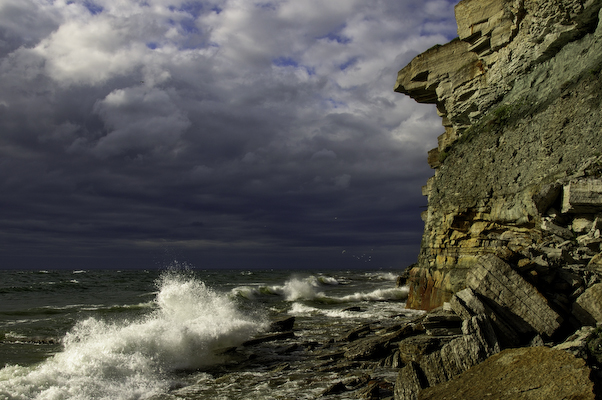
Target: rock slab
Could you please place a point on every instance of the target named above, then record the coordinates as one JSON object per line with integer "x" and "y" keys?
{"x": 588, "y": 307}
{"x": 496, "y": 280}
{"x": 531, "y": 373}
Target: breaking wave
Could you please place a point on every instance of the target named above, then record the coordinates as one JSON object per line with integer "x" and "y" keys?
{"x": 130, "y": 359}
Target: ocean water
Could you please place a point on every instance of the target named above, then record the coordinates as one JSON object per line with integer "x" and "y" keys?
{"x": 163, "y": 334}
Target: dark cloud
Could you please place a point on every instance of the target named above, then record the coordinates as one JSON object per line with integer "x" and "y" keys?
{"x": 223, "y": 132}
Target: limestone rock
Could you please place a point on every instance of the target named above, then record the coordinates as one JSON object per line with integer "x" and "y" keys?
{"x": 576, "y": 344}
{"x": 536, "y": 373}
{"x": 412, "y": 349}
{"x": 423, "y": 75}
{"x": 514, "y": 298}
{"x": 582, "y": 196}
{"x": 588, "y": 307}
{"x": 467, "y": 304}
{"x": 410, "y": 381}
{"x": 595, "y": 264}
{"x": 519, "y": 94}
{"x": 454, "y": 357}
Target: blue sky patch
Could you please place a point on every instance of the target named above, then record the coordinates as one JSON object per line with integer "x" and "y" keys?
{"x": 193, "y": 8}
{"x": 93, "y": 8}
{"x": 348, "y": 63}
{"x": 285, "y": 62}
{"x": 189, "y": 26}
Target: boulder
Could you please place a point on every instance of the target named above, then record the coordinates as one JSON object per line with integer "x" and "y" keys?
{"x": 531, "y": 373}
{"x": 576, "y": 344}
{"x": 512, "y": 297}
{"x": 453, "y": 358}
{"x": 582, "y": 196}
{"x": 588, "y": 307}
{"x": 595, "y": 264}
{"x": 467, "y": 304}
{"x": 412, "y": 349}
{"x": 357, "y": 333}
{"x": 370, "y": 348}
{"x": 410, "y": 381}
{"x": 282, "y": 325}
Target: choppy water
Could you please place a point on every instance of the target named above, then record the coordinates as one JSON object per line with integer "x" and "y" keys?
{"x": 159, "y": 334}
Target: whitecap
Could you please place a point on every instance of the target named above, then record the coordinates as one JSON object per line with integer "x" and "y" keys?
{"x": 130, "y": 359}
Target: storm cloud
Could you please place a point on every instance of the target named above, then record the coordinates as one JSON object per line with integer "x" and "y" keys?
{"x": 225, "y": 133}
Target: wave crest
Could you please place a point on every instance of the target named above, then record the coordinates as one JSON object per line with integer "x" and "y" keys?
{"x": 127, "y": 359}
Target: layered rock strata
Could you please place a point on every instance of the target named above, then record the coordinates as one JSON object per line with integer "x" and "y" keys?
{"x": 516, "y": 374}
{"x": 518, "y": 169}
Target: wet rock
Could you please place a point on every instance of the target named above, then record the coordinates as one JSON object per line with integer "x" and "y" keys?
{"x": 370, "y": 392}
{"x": 525, "y": 373}
{"x": 282, "y": 367}
{"x": 338, "y": 366}
{"x": 282, "y": 325}
{"x": 368, "y": 349}
{"x": 357, "y": 333}
{"x": 394, "y": 360}
{"x": 336, "y": 388}
{"x": 337, "y": 355}
{"x": 269, "y": 338}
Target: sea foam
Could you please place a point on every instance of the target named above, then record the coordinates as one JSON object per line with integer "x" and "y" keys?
{"x": 131, "y": 359}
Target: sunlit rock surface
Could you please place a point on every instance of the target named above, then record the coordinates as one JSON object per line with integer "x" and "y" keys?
{"x": 518, "y": 167}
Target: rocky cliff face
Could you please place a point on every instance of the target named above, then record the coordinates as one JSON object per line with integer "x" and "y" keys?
{"x": 518, "y": 170}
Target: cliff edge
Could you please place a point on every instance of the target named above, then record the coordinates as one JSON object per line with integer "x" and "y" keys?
{"x": 516, "y": 196}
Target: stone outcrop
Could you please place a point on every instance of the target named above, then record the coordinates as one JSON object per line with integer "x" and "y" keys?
{"x": 433, "y": 360}
{"x": 526, "y": 373}
{"x": 517, "y": 302}
{"x": 513, "y": 231}
{"x": 518, "y": 168}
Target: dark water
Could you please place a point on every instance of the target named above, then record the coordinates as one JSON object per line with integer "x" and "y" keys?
{"x": 159, "y": 334}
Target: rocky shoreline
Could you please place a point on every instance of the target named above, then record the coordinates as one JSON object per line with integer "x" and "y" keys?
{"x": 464, "y": 350}
{"x": 510, "y": 269}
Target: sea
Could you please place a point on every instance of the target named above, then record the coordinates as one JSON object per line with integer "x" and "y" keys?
{"x": 176, "y": 332}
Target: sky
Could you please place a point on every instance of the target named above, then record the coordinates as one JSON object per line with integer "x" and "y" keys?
{"x": 217, "y": 133}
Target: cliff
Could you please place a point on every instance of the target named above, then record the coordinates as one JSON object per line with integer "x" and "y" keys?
{"x": 518, "y": 169}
